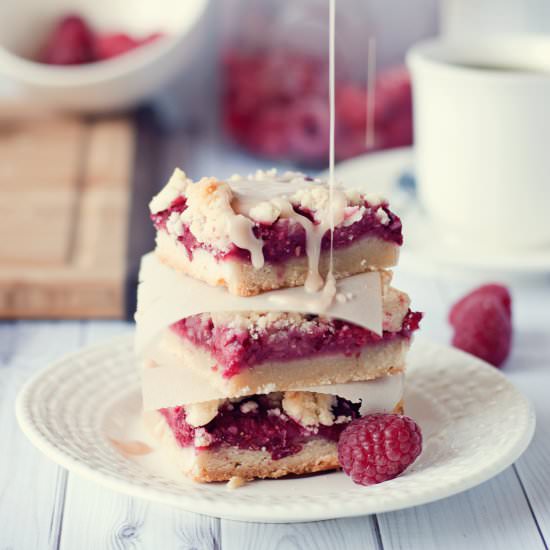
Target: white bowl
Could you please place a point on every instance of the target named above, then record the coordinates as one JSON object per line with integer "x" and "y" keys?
{"x": 117, "y": 83}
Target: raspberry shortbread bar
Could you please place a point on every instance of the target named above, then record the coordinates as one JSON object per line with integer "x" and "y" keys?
{"x": 260, "y": 436}
{"x": 252, "y": 352}
{"x": 270, "y": 231}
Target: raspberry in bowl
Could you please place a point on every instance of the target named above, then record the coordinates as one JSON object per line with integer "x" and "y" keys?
{"x": 73, "y": 41}
{"x": 119, "y": 82}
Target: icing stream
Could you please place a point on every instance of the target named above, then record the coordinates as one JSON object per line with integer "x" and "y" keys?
{"x": 240, "y": 232}
{"x": 265, "y": 197}
{"x": 329, "y": 292}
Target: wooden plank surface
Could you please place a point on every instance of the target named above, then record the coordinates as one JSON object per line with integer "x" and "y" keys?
{"x": 493, "y": 516}
{"x": 99, "y": 518}
{"x": 64, "y": 204}
{"x": 530, "y": 371}
{"x": 355, "y": 533}
{"x": 32, "y": 488}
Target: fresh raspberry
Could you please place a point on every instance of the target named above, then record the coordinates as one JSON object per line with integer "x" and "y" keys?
{"x": 379, "y": 447}
{"x": 70, "y": 43}
{"x": 482, "y": 321}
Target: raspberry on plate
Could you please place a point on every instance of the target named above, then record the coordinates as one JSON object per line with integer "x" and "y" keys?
{"x": 482, "y": 321}
{"x": 379, "y": 447}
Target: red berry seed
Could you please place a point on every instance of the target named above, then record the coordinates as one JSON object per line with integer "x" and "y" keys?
{"x": 482, "y": 322}
{"x": 379, "y": 447}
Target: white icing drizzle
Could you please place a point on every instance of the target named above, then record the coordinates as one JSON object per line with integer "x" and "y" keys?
{"x": 328, "y": 218}
{"x": 249, "y": 193}
{"x": 240, "y": 232}
{"x": 336, "y": 214}
{"x": 371, "y": 92}
{"x": 333, "y": 215}
{"x": 269, "y": 196}
{"x": 261, "y": 188}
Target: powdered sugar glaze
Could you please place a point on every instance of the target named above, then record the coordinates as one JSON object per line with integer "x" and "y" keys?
{"x": 266, "y": 196}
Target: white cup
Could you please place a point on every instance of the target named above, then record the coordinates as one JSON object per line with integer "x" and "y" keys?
{"x": 482, "y": 139}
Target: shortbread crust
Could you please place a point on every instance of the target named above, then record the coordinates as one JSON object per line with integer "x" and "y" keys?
{"x": 222, "y": 464}
{"x": 372, "y": 362}
{"x": 242, "y": 279}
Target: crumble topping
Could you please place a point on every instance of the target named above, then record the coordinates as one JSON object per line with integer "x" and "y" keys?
{"x": 208, "y": 207}
{"x": 311, "y": 198}
{"x": 265, "y": 212}
{"x": 374, "y": 199}
{"x": 199, "y": 414}
{"x": 202, "y": 438}
{"x": 174, "y": 225}
{"x": 395, "y": 305}
{"x": 308, "y": 408}
{"x": 235, "y": 482}
{"x": 382, "y": 216}
{"x": 353, "y": 214}
{"x": 354, "y": 196}
{"x": 268, "y": 388}
{"x": 249, "y": 406}
{"x": 213, "y": 205}
{"x": 176, "y": 186}
{"x": 257, "y": 321}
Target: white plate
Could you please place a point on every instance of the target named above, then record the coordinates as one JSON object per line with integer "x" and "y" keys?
{"x": 426, "y": 246}
{"x": 475, "y": 424}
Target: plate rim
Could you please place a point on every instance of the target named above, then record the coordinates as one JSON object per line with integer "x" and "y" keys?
{"x": 125, "y": 486}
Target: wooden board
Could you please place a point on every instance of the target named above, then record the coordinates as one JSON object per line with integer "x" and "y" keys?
{"x": 65, "y": 194}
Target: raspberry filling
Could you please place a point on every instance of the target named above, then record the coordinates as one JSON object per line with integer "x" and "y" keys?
{"x": 265, "y": 427}
{"x": 286, "y": 239}
{"x": 237, "y": 349}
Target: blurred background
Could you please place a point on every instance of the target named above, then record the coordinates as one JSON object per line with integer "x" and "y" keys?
{"x": 100, "y": 101}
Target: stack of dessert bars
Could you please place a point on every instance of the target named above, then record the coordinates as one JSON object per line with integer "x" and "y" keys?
{"x": 254, "y": 361}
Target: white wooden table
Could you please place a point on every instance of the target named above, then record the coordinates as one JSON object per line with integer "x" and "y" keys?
{"x": 42, "y": 506}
